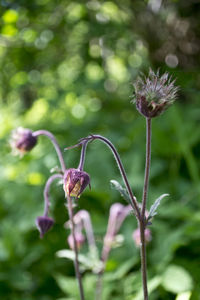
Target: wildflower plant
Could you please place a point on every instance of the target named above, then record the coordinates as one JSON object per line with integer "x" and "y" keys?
{"x": 152, "y": 96}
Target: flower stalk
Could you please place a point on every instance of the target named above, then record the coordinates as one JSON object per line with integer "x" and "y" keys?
{"x": 116, "y": 155}
{"x": 46, "y": 192}
{"x": 76, "y": 262}
{"x": 55, "y": 144}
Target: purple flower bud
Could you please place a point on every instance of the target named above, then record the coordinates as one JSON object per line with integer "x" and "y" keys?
{"x": 75, "y": 181}
{"x": 154, "y": 94}
{"x": 22, "y": 140}
{"x": 44, "y": 224}
{"x": 136, "y": 236}
{"x": 80, "y": 239}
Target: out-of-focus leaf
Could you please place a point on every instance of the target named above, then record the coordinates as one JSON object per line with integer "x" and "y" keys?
{"x": 122, "y": 270}
{"x": 177, "y": 280}
{"x": 152, "y": 285}
{"x": 68, "y": 285}
{"x": 86, "y": 261}
{"x": 184, "y": 296}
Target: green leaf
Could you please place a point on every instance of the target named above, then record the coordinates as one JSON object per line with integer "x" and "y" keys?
{"x": 87, "y": 262}
{"x": 184, "y": 296}
{"x": 177, "y": 280}
{"x": 123, "y": 192}
{"x": 152, "y": 285}
{"x": 68, "y": 285}
{"x": 154, "y": 207}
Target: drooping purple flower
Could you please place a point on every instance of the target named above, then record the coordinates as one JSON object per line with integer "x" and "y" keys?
{"x": 44, "y": 224}
{"x": 154, "y": 94}
{"x": 22, "y": 140}
{"x": 80, "y": 239}
{"x": 75, "y": 181}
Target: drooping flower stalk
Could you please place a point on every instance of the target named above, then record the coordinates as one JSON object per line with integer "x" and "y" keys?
{"x": 84, "y": 217}
{"x": 23, "y": 140}
{"x": 46, "y": 192}
{"x": 116, "y": 155}
{"x": 117, "y": 215}
{"x": 55, "y": 144}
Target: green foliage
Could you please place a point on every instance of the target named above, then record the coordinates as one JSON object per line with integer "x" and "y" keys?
{"x": 66, "y": 66}
{"x": 177, "y": 280}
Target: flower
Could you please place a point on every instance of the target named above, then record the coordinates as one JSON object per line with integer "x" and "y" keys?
{"x": 80, "y": 239}
{"x": 75, "y": 181}
{"x": 136, "y": 236}
{"x": 44, "y": 224}
{"x": 154, "y": 94}
{"x": 22, "y": 140}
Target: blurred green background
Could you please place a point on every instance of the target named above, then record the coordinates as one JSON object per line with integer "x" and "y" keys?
{"x": 67, "y": 66}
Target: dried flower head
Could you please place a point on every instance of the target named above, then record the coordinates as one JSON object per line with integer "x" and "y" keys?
{"x": 80, "y": 239}
{"x": 136, "y": 236}
{"x": 154, "y": 94}
{"x": 44, "y": 224}
{"x": 75, "y": 181}
{"x": 22, "y": 140}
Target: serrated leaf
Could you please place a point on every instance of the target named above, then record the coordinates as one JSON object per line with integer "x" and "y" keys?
{"x": 154, "y": 207}
{"x": 116, "y": 185}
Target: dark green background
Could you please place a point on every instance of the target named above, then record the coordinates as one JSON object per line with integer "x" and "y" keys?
{"x": 67, "y": 67}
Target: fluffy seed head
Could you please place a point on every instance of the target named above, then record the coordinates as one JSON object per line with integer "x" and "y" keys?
{"x": 154, "y": 94}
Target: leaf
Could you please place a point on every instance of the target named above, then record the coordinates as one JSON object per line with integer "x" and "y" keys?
{"x": 184, "y": 296}
{"x": 71, "y": 255}
{"x": 122, "y": 270}
{"x": 87, "y": 262}
{"x": 154, "y": 207}
{"x": 177, "y": 280}
{"x": 68, "y": 285}
{"x": 152, "y": 285}
{"x": 123, "y": 192}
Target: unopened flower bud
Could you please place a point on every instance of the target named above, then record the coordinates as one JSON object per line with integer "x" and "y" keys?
{"x": 136, "y": 236}
{"x": 154, "y": 94}
{"x": 75, "y": 181}
{"x": 44, "y": 224}
{"x": 80, "y": 239}
{"x": 22, "y": 140}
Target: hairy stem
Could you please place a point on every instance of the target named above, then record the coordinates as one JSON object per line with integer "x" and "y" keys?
{"x": 142, "y": 221}
{"x": 46, "y": 192}
{"x": 83, "y": 153}
{"x": 76, "y": 262}
{"x": 55, "y": 144}
{"x": 134, "y": 203}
